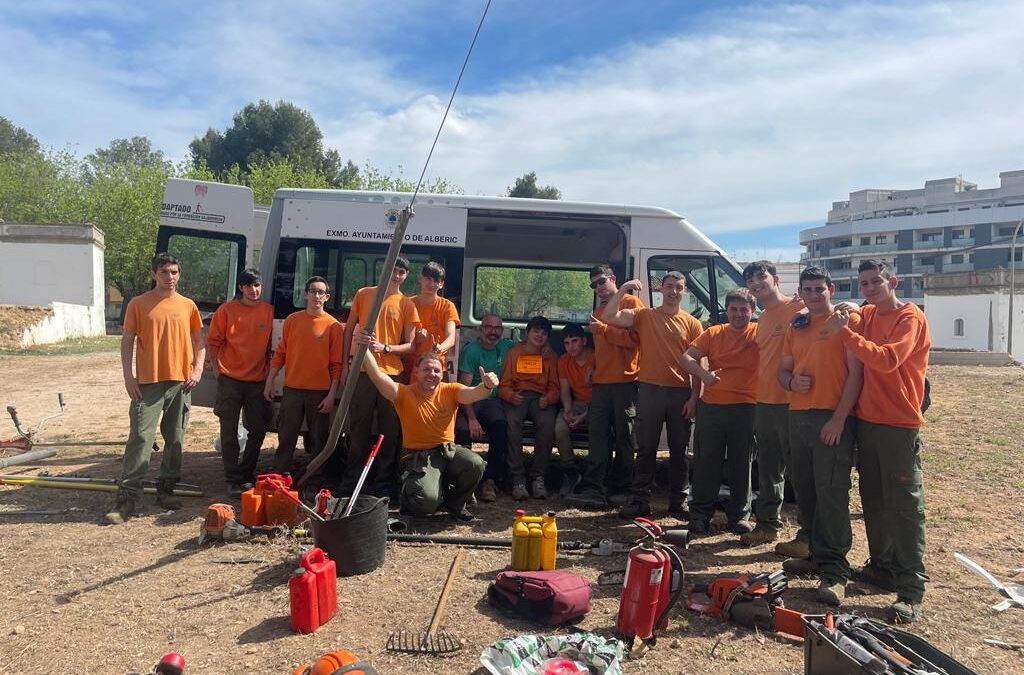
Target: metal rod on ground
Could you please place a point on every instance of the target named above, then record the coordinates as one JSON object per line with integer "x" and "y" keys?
{"x": 58, "y": 485}
{"x": 87, "y": 479}
{"x": 362, "y": 477}
{"x": 26, "y": 457}
{"x": 349, "y": 389}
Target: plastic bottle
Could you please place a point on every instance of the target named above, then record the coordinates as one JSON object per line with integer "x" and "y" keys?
{"x": 536, "y": 536}
{"x": 549, "y": 542}
{"x": 520, "y": 541}
{"x": 302, "y": 599}
{"x": 323, "y": 568}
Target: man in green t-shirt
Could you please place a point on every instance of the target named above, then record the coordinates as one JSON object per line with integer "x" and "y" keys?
{"x": 486, "y": 416}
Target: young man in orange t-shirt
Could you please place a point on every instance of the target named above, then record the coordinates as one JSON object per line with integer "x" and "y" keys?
{"x": 665, "y": 395}
{"x": 529, "y": 389}
{"x": 435, "y": 471}
{"x": 163, "y": 331}
{"x": 824, "y": 381}
{"x": 238, "y": 347}
{"x": 310, "y": 353}
{"x": 388, "y": 341}
{"x": 893, "y": 346}
{"x": 439, "y": 319}
{"x": 575, "y": 372}
{"x": 725, "y": 414}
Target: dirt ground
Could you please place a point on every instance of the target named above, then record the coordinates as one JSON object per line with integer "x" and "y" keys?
{"x": 15, "y": 319}
{"x": 77, "y": 597}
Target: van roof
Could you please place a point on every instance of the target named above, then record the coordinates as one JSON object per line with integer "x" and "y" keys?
{"x": 399, "y": 199}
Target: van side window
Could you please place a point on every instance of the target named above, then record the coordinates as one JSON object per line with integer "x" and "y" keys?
{"x": 697, "y": 300}
{"x": 209, "y": 268}
{"x": 315, "y": 262}
{"x": 727, "y": 277}
{"x": 519, "y": 293}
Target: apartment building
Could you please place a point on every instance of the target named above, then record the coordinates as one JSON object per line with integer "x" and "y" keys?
{"x": 948, "y": 226}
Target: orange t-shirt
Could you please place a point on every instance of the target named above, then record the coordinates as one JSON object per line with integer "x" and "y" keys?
{"x": 396, "y": 312}
{"x": 529, "y": 372}
{"x": 580, "y": 375}
{"x": 434, "y": 316}
{"x": 428, "y": 420}
{"x": 822, "y": 355}
{"x": 309, "y": 350}
{"x": 771, "y": 334}
{"x": 163, "y": 330}
{"x": 734, "y": 354}
{"x": 663, "y": 339}
{"x": 616, "y": 349}
{"x": 894, "y": 350}
{"x": 241, "y": 334}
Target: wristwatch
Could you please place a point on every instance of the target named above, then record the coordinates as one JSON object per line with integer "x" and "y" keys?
{"x": 387, "y": 349}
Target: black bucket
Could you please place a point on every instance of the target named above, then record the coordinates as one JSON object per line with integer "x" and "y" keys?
{"x": 356, "y": 544}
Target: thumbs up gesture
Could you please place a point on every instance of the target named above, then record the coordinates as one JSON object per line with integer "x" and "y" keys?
{"x": 489, "y": 380}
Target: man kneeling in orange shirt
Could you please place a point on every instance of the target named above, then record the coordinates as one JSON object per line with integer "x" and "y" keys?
{"x": 435, "y": 471}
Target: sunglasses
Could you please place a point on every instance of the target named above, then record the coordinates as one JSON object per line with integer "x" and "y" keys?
{"x": 599, "y": 282}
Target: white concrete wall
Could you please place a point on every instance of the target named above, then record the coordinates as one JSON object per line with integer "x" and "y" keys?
{"x": 985, "y": 321}
{"x": 38, "y": 273}
{"x": 67, "y": 321}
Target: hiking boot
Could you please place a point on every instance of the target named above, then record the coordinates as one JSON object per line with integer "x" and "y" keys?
{"x": 488, "y": 491}
{"x": 234, "y": 490}
{"x": 540, "y": 490}
{"x": 741, "y": 527}
{"x": 795, "y": 548}
{"x": 799, "y": 567}
{"x": 618, "y": 499}
{"x": 590, "y": 501}
{"x": 830, "y": 592}
{"x": 462, "y": 515}
{"x": 165, "y": 498}
{"x": 124, "y": 508}
{"x": 635, "y": 509}
{"x": 678, "y": 510}
{"x": 570, "y": 479}
{"x": 519, "y": 491}
{"x": 698, "y": 526}
{"x": 762, "y": 534}
{"x": 902, "y": 611}
{"x": 875, "y": 575}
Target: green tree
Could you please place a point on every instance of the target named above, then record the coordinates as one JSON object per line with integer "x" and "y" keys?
{"x": 38, "y": 187}
{"x": 526, "y": 186}
{"x": 14, "y": 139}
{"x": 521, "y": 293}
{"x": 135, "y": 151}
{"x": 263, "y": 132}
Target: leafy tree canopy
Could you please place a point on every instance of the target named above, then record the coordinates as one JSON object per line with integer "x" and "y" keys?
{"x": 14, "y": 139}
{"x": 526, "y": 186}
{"x": 135, "y": 151}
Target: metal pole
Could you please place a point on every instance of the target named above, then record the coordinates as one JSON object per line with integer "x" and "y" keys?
{"x": 349, "y": 389}
{"x": 1013, "y": 283}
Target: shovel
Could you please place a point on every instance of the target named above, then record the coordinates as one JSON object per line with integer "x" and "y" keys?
{"x": 431, "y": 642}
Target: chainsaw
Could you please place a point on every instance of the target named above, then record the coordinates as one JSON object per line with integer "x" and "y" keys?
{"x": 751, "y": 600}
{"x": 220, "y": 525}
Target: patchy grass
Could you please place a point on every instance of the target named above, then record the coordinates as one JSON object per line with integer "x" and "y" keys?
{"x": 104, "y": 343}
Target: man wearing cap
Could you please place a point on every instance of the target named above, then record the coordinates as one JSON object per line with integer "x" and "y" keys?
{"x": 238, "y": 346}
{"x": 529, "y": 389}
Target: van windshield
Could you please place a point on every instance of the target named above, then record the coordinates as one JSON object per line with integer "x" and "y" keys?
{"x": 519, "y": 293}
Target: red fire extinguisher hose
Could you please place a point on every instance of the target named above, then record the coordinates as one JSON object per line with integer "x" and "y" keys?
{"x": 677, "y": 563}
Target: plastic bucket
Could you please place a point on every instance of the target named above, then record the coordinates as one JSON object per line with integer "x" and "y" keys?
{"x": 356, "y": 544}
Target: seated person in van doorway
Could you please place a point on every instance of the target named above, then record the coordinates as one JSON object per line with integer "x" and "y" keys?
{"x": 435, "y": 471}
{"x": 529, "y": 388}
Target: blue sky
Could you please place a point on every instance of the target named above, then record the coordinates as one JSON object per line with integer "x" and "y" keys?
{"x": 749, "y": 118}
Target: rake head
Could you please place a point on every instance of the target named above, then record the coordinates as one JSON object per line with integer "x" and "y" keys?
{"x": 441, "y": 642}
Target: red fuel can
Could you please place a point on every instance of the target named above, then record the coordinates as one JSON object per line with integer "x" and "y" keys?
{"x": 302, "y": 596}
{"x": 323, "y": 568}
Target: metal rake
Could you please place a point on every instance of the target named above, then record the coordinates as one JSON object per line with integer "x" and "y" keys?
{"x": 432, "y": 641}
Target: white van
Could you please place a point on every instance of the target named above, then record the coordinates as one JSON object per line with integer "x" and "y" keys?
{"x": 515, "y": 257}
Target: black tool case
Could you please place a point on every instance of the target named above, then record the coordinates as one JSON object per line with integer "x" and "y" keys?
{"x": 822, "y": 656}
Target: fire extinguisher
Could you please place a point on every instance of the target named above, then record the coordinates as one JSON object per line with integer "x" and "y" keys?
{"x": 647, "y": 595}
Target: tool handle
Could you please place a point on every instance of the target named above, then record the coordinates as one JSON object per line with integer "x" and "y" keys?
{"x": 13, "y": 412}
{"x": 435, "y": 620}
{"x": 362, "y": 476}
{"x": 283, "y": 490}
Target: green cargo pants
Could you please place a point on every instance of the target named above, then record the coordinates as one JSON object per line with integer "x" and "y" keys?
{"x": 611, "y": 417}
{"x": 821, "y": 478}
{"x": 724, "y": 435}
{"x": 172, "y": 402}
{"x": 892, "y": 492}
{"x": 445, "y": 475}
{"x": 771, "y": 428}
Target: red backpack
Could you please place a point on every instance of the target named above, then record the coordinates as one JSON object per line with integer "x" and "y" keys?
{"x": 549, "y": 597}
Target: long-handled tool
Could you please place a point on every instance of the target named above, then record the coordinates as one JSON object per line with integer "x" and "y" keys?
{"x": 431, "y": 642}
{"x": 53, "y": 478}
{"x": 98, "y": 487}
{"x": 362, "y": 476}
{"x": 27, "y": 439}
{"x": 1014, "y": 593}
{"x": 603, "y": 547}
{"x": 277, "y": 485}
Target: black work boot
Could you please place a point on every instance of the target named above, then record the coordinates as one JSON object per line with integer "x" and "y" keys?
{"x": 124, "y": 508}
{"x": 165, "y": 498}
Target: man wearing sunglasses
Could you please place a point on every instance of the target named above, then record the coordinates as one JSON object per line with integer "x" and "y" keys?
{"x": 613, "y": 402}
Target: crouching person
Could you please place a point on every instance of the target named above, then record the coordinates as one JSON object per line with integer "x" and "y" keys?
{"x": 435, "y": 472}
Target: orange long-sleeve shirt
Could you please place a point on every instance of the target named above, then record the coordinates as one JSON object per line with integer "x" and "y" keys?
{"x": 309, "y": 351}
{"x": 894, "y": 350}
{"x": 529, "y": 372}
{"x": 616, "y": 350}
{"x": 241, "y": 335}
